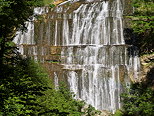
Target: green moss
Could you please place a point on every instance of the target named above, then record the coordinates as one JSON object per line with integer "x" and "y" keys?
{"x": 52, "y": 5}
{"x": 118, "y": 113}
{"x": 46, "y": 2}
{"x": 148, "y": 54}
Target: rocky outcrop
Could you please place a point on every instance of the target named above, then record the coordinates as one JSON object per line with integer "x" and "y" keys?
{"x": 147, "y": 62}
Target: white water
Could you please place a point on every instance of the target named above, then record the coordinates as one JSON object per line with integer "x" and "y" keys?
{"x": 97, "y": 47}
{"x": 56, "y": 81}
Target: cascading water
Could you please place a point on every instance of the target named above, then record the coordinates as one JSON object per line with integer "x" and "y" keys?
{"x": 93, "y": 54}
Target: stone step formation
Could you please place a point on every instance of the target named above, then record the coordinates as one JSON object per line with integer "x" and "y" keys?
{"x": 83, "y": 44}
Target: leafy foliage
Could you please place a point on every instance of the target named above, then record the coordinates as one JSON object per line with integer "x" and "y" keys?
{"x": 60, "y": 103}
{"x": 118, "y": 113}
{"x": 143, "y": 18}
{"x": 143, "y": 24}
{"x": 46, "y": 2}
{"x": 138, "y": 101}
{"x": 19, "y": 91}
{"x": 13, "y": 15}
{"x": 27, "y": 90}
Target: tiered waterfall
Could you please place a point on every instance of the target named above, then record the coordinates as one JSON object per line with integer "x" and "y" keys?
{"x": 84, "y": 45}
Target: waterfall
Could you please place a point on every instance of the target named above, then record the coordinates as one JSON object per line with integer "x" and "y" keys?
{"x": 90, "y": 48}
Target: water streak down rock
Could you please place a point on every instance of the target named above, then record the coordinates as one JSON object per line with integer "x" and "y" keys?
{"x": 83, "y": 43}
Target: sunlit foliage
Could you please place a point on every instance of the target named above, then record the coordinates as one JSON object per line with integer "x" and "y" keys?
{"x": 143, "y": 24}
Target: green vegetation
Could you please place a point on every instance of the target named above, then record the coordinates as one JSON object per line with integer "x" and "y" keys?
{"x": 143, "y": 17}
{"x": 51, "y": 5}
{"x": 118, "y": 113}
{"x": 27, "y": 90}
{"x": 47, "y": 1}
{"x": 20, "y": 88}
{"x": 138, "y": 100}
{"x": 13, "y": 15}
{"x": 143, "y": 24}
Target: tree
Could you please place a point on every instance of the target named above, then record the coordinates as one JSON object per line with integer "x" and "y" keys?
{"x": 143, "y": 24}
{"x": 19, "y": 91}
{"x": 138, "y": 100}
{"x": 16, "y": 86}
{"x": 28, "y": 91}
{"x": 13, "y": 15}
